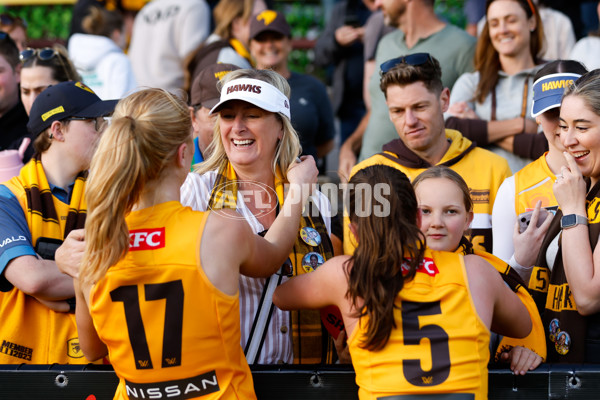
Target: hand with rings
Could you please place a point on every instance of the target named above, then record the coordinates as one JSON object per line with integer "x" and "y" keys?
{"x": 569, "y": 187}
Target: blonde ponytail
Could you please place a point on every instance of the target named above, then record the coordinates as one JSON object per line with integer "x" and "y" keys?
{"x": 142, "y": 139}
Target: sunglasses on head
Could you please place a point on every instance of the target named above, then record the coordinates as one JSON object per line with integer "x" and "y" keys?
{"x": 45, "y": 54}
{"x": 411, "y": 59}
{"x": 9, "y": 20}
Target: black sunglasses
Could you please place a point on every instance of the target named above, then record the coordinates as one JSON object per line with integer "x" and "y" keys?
{"x": 411, "y": 59}
{"x": 47, "y": 53}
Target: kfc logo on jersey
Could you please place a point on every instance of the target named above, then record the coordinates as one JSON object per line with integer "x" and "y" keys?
{"x": 427, "y": 266}
{"x": 146, "y": 239}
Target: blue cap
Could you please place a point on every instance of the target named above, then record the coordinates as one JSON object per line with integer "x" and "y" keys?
{"x": 65, "y": 100}
{"x": 548, "y": 91}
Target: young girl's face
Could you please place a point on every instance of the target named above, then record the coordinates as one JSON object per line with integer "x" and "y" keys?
{"x": 444, "y": 218}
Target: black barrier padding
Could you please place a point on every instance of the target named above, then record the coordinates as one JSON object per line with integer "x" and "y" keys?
{"x": 298, "y": 383}
{"x": 99, "y": 382}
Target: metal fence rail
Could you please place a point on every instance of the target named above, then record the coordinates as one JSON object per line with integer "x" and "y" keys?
{"x": 94, "y": 382}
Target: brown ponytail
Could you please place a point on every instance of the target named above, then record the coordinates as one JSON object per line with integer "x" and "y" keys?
{"x": 389, "y": 240}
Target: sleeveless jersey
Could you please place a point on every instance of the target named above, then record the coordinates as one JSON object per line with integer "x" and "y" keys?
{"x": 170, "y": 333}
{"x": 30, "y": 332}
{"x": 532, "y": 183}
{"x": 439, "y": 345}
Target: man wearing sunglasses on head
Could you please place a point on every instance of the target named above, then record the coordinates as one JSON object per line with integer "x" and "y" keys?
{"x": 417, "y": 100}
{"x": 419, "y": 30}
{"x": 42, "y": 213}
{"x": 13, "y": 118}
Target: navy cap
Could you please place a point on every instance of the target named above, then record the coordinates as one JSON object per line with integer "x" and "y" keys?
{"x": 548, "y": 91}
{"x": 66, "y": 100}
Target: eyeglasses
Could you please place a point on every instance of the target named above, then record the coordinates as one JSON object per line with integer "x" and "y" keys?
{"x": 100, "y": 123}
{"x": 47, "y": 53}
{"x": 411, "y": 59}
{"x": 9, "y": 20}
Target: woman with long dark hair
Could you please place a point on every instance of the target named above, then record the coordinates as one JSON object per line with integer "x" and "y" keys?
{"x": 460, "y": 297}
{"x": 495, "y": 99}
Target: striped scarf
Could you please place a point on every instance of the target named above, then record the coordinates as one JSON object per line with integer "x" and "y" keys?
{"x": 40, "y": 213}
{"x": 311, "y": 342}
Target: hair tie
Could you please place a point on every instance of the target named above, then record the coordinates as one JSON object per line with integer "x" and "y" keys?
{"x": 131, "y": 121}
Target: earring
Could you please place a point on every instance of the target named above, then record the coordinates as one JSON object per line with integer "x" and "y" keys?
{"x": 51, "y": 136}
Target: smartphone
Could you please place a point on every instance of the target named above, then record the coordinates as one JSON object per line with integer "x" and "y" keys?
{"x": 525, "y": 218}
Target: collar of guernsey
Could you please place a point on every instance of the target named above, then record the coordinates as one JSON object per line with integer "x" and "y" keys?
{"x": 257, "y": 92}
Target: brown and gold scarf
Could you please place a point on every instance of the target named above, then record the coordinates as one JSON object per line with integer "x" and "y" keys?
{"x": 47, "y": 228}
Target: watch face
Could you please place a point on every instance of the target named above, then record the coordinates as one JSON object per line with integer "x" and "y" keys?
{"x": 568, "y": 220}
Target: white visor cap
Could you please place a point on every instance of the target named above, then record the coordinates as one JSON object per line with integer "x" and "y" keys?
{"x": 257, "y": 92}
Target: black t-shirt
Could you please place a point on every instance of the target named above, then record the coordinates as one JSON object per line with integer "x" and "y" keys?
{"x": 312, "y": 115}
{"x": 13, "y": 129}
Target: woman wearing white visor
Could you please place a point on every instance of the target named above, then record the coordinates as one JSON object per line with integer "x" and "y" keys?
{"x": 253, "y": 145}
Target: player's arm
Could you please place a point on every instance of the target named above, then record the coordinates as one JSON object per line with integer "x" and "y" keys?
{"x": 254, "y": 255}
{"x": 325, "y": 286}
{"x": 496, "y": 304}
{"x": 91, "y": 345}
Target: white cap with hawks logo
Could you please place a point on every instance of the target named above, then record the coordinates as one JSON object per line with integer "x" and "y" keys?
{"x": 257, "y": 92}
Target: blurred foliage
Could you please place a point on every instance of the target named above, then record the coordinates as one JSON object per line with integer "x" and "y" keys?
{"x": 307, "y": 22}
{"x": 451, "y": 11}
{"x": 48, "y": 22}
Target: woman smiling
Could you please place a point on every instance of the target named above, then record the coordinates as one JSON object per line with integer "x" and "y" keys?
{"x": 253, "y": 147}
{"x": 494, "y": 100}
{"x": 567, "y": 267}
{"x": 270, "y": 47}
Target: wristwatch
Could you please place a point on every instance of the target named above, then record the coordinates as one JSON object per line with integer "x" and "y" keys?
{"x": 571, "y": 220}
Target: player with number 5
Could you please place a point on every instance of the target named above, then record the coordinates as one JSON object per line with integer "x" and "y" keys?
{"x": 418, "y": 320}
